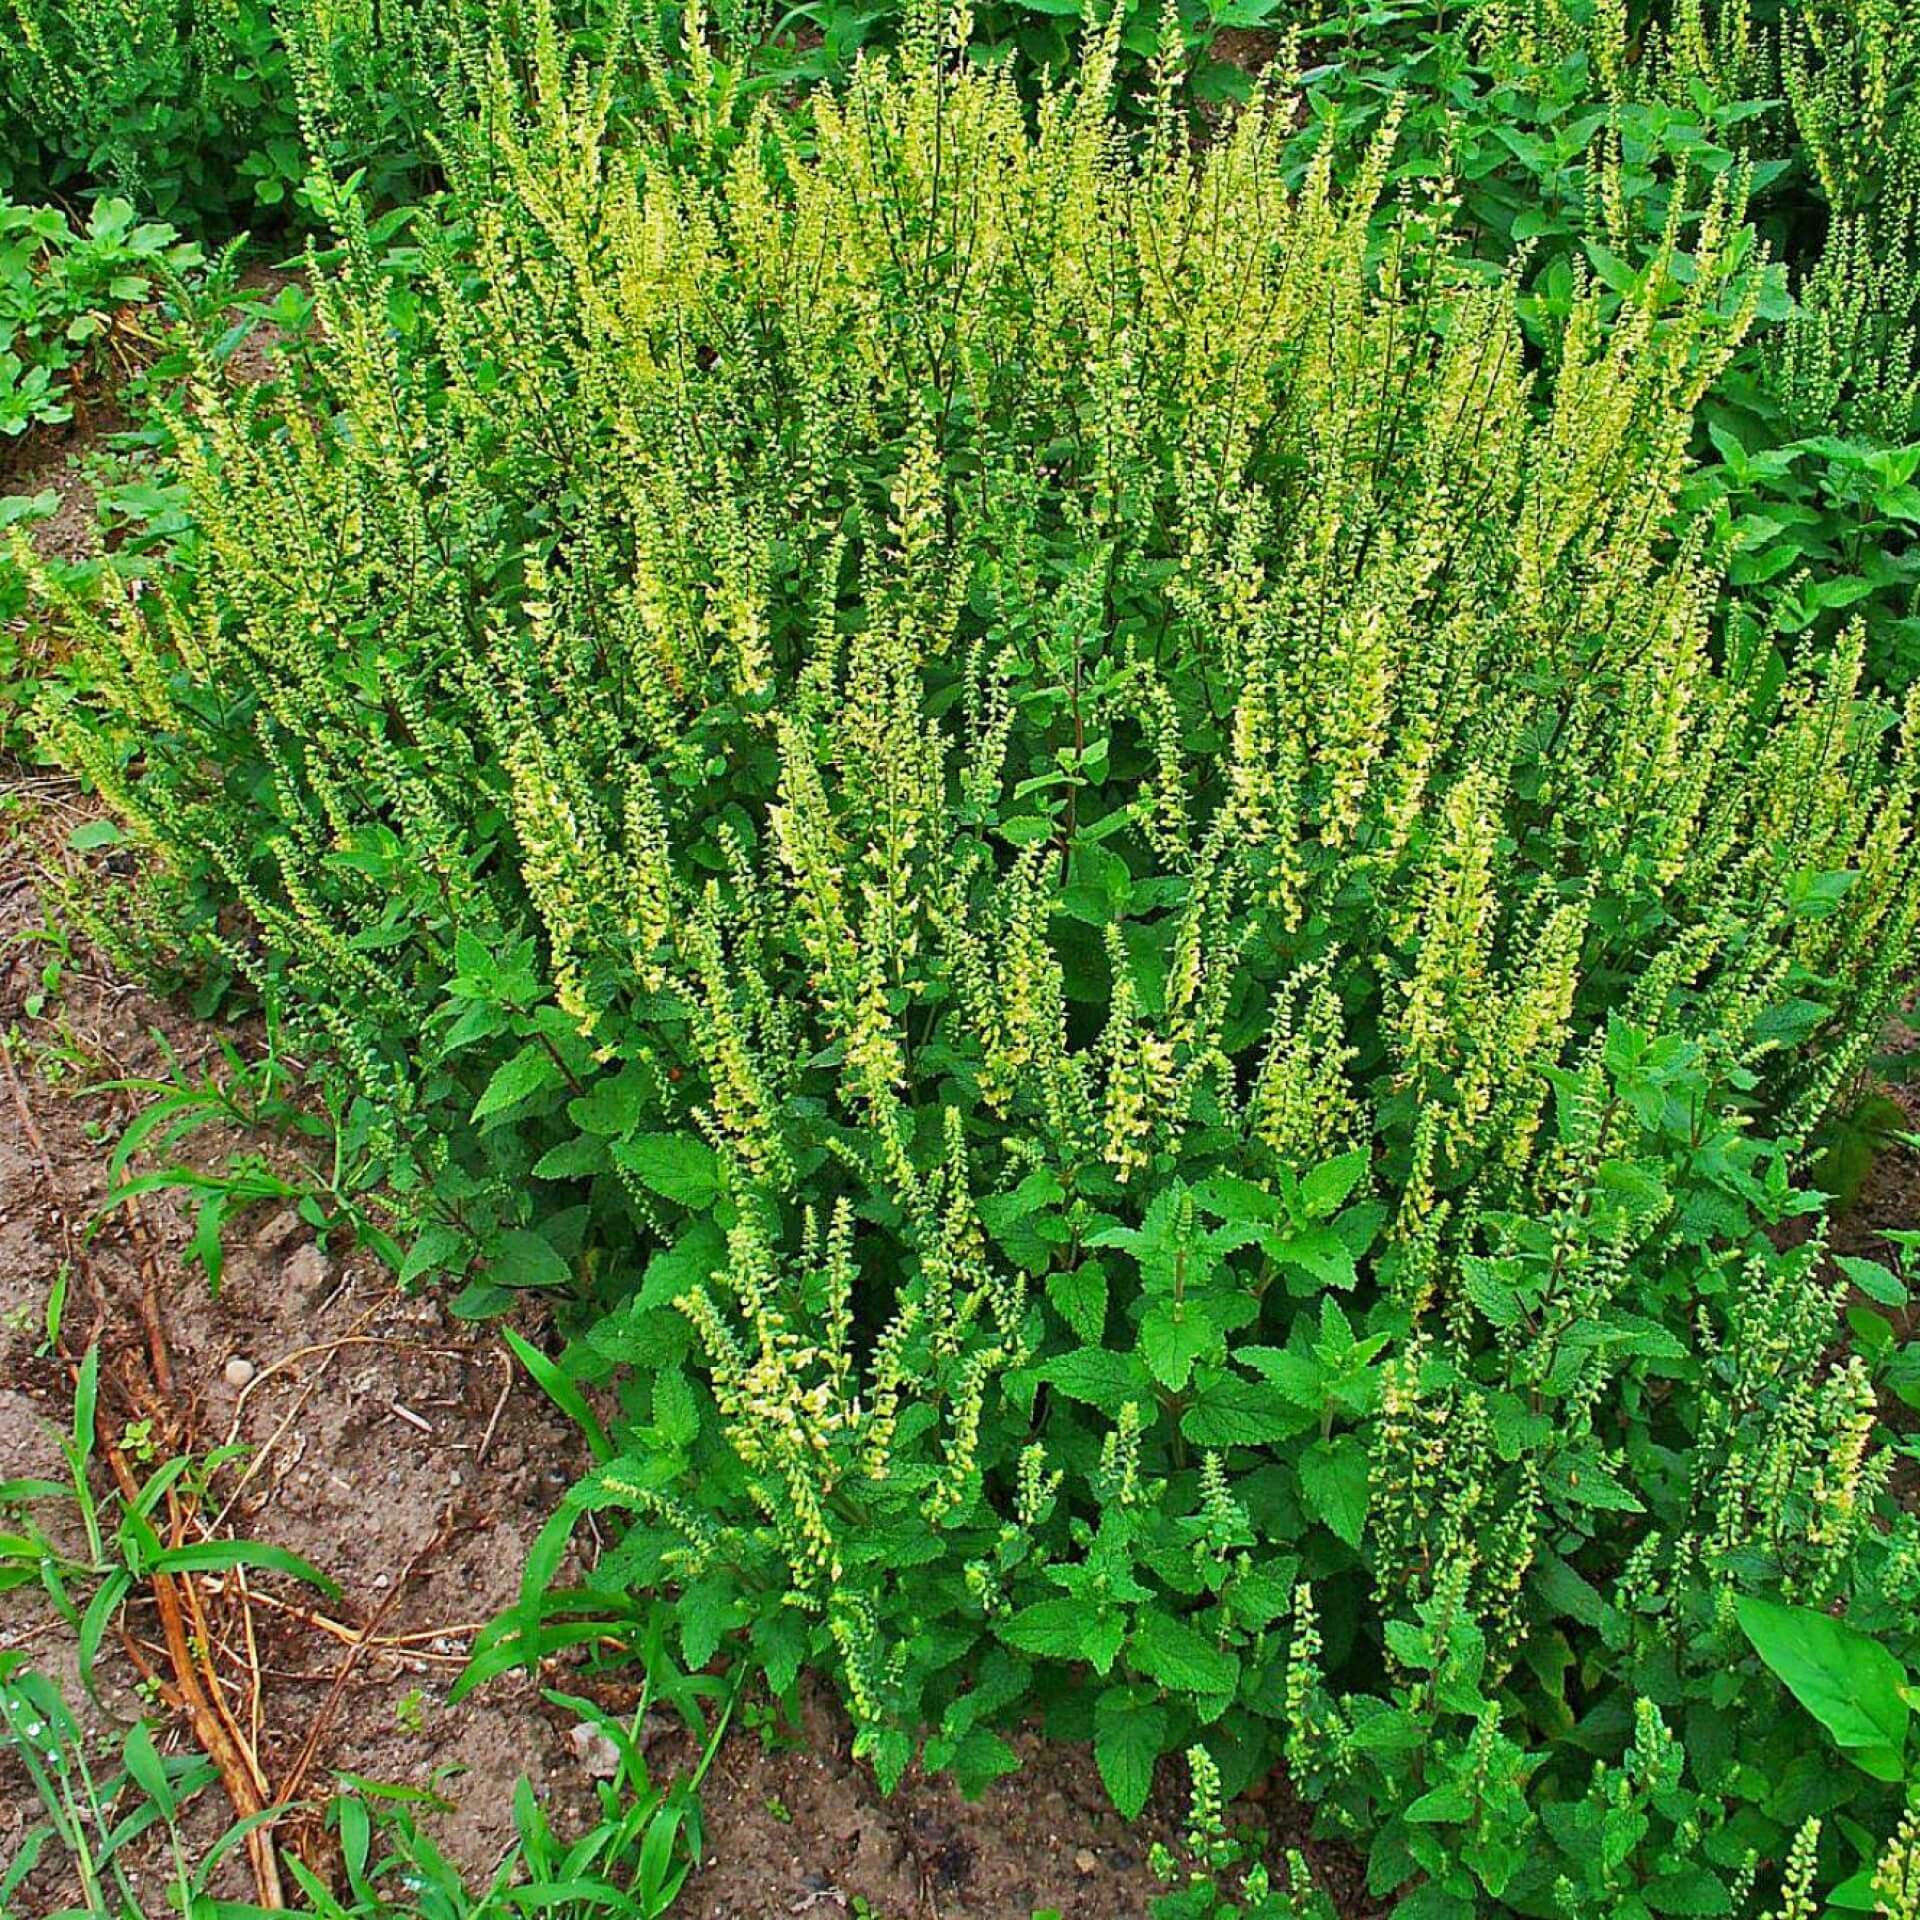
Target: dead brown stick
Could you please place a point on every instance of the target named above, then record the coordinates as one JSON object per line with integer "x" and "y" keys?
{"x": 234, "y": 1762}
{"x": 376, "y": 1642}
{"x": 150, "y": 1298}
{"x": 310, "y": 1747}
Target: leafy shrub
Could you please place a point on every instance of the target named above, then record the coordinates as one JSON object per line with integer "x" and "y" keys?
{"x": 1126, "y": 915}
{"x": 210, "y": 112}
{"x": 1584, "y": 140}
{"x": 67, "y": 298}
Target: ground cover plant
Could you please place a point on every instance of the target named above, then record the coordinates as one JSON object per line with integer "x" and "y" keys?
{"x": 70, "y": 303}
{"x": 1076, "y": 840}
{"x": 208, "y": 113}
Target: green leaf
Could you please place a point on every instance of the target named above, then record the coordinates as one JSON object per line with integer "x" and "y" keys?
{"x": 1443, "y": 1805}
{"x": 1169, "y": 1651}
{"x": 149, "y": 1771}
{"x": 1333, "y": 1484}
{"x": 216, "y": 1556}
{"x": 1100, "y": 1378}
{"x": 532, "y": 1070}
{"x": 1079, "y": 1296}
{"x": 1852, "y": 1685}
{"x": 677, "y": 1166}
{"x": 1172, "y": 1337}
{"x": 1055, "y": 1629}
{"x": 554, "y": 1383}
{"x": 527, "y": 1259}
{"x": 1229, "y": 1412}
{"x": 571, "y": 1159}
{"x": 1128, "y": 1734}
{"x": 436, "y": 1248}
{"x": 1326, "y": 1188}
{"x": 1319, "y": 1252}
{"x": 708, "y": 1610}
{"x": 697, "y": 1255}
{"x": 1874, "y": 1280}
{"x": 1297, "y": 1375}
{"x": 613, "y": 1104}
{"x": 1689, "y": 1890}
{"x": 676, "y": 1412}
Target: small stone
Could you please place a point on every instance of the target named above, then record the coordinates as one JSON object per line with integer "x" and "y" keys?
{"x": 1084, "y": 1861}
{"x": 305, "y": 1270}
{"x": 278, "y": 1231}
{"x": 238, "y": 1371}
{"x": 599, "y": 1758}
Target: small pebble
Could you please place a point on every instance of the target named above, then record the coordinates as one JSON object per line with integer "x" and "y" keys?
{"x": 278, "y": 1231}
{"x": 599, "y": 1758}
{"x": 305, "y": 1270}
{"x": 1084, "y": 1860}
{"x": 239, "y": 1370}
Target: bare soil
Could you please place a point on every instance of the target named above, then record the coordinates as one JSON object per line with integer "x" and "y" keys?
{"x": 405, "y": 1455}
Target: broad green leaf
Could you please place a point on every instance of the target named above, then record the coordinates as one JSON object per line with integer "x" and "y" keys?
{"x": 532, "y": 1070}
{"x": 527, "y": 1259}
{"x": 1172, "y": 1337}
{"x": 677, "y": 1166}
{"x": 1171, "y": 1652}
{"x": 697, "y": 1255}
{"x": 613, "y": 1104}
{"x": 1852, "y": 1685}
{"x": 1101, "y": 1378}
{"x": 1128, "y": 1734}
{"x": 676, "y": 1409}
{"x": 1079, "y": 1295}
{"x": 1325, "y": 1189}
{"x": 1873, "y": 1279}
{"x": 1333, "y": 1484}
{"x": 1230, "y": 1412}
{"x": 1297, "y": 1375}
{"x": 572, "y": 1159}
{"x": 1055, "y": 1629}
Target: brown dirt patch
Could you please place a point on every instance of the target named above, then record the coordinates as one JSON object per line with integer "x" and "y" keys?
{"x": 400, "y": 1451}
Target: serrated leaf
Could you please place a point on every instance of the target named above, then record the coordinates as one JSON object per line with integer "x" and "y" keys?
{"x": 1230, "y": 1412}
{"x": 532, "y": 1070}
{"x": 1127, "y": 1739}
{"x": 1079, "y": 1296}
{"x": 571, "y": 1159}
{"x": 699, "y": 1253}
{"x": 1319, "y": 1252}
{"x": 1171, "y": 1652}
{"x": 1874, "y": 1280}
{"x": 1333, "y": 1485}
{"x": 1443, "y": 1804}
{"x": 1325, "y": 1189}
{"x": 676, "y": 1410}
{"x": 1690, "y": 1890}
{"x": 1298, "y": 1376}
{"x": 1172, "y": 1337}
{"x": 614, "y": 1103}
{"x": 1051, "y": 1628}
{"x": 527, "y": 1259}
{"x": 677, "y": 1166}
{"x": 1099, "y": 1377}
